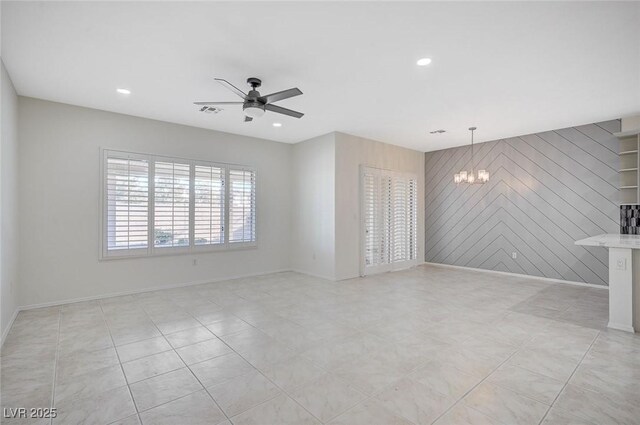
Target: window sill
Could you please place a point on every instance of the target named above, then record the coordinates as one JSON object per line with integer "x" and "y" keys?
{"x": 181, "y": 252}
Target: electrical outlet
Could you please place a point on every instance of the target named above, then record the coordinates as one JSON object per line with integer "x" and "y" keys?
{"x": 514, "y": 255}
{"x": 621, "y": 264}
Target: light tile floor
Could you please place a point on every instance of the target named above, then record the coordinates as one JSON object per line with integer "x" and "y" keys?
{"x": 421, "y": 346}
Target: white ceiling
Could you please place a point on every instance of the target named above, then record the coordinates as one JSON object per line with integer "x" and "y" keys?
{"x": 508, "y": 68}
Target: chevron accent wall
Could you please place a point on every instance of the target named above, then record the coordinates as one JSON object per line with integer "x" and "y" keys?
{"x": 546, "y": 191}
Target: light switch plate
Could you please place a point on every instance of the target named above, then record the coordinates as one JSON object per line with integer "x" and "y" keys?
{"x": 621, "y": 264}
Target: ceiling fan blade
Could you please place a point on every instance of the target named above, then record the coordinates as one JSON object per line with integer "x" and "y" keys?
{"x": 247, "y": 119}
{"x": 232, "y": 87}
{"x": 281, "y": 95}
{"x": 218, "y": 103}
{"x": 284, "y": 111}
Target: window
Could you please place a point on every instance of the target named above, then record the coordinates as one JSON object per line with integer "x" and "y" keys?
{"x": 171, "y": 204}
{"x": 242, "y": 206}
{"x": 127, "y": 186}
{"x": 155, "y": 205}
{"x": 209, "y": 205}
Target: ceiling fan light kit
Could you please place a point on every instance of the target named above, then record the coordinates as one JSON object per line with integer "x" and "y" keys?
{"x": 253, "y": 111}
{"x": 255, "y": 105}
{"x": 473, "y": 176}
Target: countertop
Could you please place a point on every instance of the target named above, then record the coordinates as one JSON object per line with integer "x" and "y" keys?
{"x": 612, "y": 240}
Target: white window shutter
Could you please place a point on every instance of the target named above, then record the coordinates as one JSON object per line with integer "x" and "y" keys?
{"x": 209, "y": 205}
{"x": 386, "y": 218}
{"x": 400, "y": 235}
{"x": 171, "y": 204}
{"x": 127, "y": 203}
{"x": 242, "y": 206}
{"x": 371, "y": 213}
{"x": 412, "y": 206}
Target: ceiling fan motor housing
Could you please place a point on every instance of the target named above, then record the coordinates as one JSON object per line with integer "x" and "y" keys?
{"x": 252, "y": 106}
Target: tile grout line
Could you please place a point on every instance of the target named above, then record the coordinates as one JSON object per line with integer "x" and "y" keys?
{"x": 461, "y": 398}
{"x": 254, "y": 367}
{"x": 186, "y": 365}
{"x": 203, "y": 389}
{"x": 456, "y": 347}
{"x": 289, "y": 393}
{"x": 55, "y": 366}
{"x": 170, "y": 401}
{"x": 518, "y": 392}
{"x": 213, "y": 336}
{"x": 373, "y": 395}
{"x": 325, "y": 372}
{"x": 570, "y": 376}
{"x": 532, "y": 338}
{"x": 167, "y": 372}
{"x": 258, "y": 370}
{"x": 119, "y": 362}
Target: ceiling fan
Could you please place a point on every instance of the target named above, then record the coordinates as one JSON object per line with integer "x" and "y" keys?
{"x": 254, "y": 105}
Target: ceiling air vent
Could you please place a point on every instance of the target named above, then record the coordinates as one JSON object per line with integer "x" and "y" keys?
{"x": 210, "y": 110}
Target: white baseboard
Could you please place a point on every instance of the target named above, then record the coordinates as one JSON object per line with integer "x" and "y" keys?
{"x": 6, "y": 331}
{"x": 150, "y": 289}
{"x": 319, "y": 276}
{"x": 621, "y": 327}
{"x": 543, "y": 279}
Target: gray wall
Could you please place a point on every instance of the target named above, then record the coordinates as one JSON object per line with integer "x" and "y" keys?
{"x": 546, "y": 190}
{"x": 8, "y": 201}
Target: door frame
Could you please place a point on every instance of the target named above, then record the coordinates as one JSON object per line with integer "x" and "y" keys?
{"x": 391, "y": 266}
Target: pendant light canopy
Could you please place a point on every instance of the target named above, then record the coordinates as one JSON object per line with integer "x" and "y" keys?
{"x": 473, "y": 176}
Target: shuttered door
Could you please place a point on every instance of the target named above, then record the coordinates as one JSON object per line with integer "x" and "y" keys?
{"x": 389, "y": 220}
{"x": 376, "y": 215}
{"x": 412, "y": 223}
{"x": 399, "y": 224}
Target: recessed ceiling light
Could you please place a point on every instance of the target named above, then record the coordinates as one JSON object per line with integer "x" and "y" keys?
{"x": 123, "y": 91}
{"x": 277, "y": 124}
{"x": 423, "y": 62}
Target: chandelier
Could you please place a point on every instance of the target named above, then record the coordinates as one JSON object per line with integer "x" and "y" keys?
{"x": 473, "y": 176}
